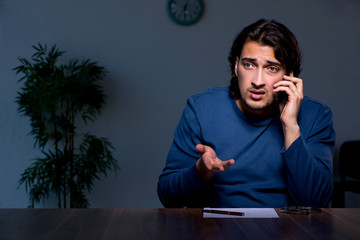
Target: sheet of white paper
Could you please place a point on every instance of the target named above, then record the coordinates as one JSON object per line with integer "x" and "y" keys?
{"x": 248, "y": 213}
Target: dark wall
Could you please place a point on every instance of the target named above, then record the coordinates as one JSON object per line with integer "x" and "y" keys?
{"x": 154, "y": 65}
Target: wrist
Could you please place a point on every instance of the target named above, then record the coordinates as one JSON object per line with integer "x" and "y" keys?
{"x": 203, "y": 172}
{"x": 291, "y": 133}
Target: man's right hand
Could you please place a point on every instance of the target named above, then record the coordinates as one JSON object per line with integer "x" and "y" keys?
{"x": 209, "y": 163}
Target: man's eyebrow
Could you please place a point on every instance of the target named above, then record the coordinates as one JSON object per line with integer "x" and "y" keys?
{"x": 254, "y": 60}
{"x": 248, "y": 59}
{"x": 274, "y": 63}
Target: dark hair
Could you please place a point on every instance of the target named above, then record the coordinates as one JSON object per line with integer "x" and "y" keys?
{"x": 266, "y": 33}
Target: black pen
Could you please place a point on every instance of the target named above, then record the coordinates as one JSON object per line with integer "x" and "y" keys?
{"x": 224, "y": 212}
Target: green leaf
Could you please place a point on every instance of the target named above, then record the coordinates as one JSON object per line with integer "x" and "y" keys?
{"x": 53, "y": 97}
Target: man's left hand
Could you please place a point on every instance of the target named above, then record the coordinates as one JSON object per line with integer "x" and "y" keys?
{"x": 289, "y": 109}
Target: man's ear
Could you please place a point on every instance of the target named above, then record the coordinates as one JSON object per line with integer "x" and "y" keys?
{"x": 236, "y": 66}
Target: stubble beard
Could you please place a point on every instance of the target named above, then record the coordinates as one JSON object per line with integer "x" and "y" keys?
{"x": 268, "y": 106}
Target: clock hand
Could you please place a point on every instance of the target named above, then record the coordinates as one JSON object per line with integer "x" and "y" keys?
{"x": 186, "y": 5}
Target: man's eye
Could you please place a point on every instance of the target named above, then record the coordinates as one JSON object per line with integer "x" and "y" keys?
{"x": 248, "y": 65}
{"x": 273, "y": 69}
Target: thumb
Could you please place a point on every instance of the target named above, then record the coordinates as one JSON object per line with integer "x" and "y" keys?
{"x": 200, "y": 148}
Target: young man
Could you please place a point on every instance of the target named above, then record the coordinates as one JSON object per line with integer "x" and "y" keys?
{"x": 257, "y": 143}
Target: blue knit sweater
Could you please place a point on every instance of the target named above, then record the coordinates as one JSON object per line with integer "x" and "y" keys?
{"x": 264, "y": 175}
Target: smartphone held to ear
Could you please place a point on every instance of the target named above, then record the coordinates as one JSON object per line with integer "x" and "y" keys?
{"x": 281, "y": 97}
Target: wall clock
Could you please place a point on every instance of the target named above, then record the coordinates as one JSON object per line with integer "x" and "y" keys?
{"x": 185, "y": 12}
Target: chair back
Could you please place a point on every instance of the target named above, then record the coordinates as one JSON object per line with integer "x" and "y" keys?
{"x": 349, "y": 160}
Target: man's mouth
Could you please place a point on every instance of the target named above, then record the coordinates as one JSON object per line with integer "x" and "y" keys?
{"x": 257, "y": 94}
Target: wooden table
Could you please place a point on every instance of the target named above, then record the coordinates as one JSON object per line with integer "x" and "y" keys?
{"x": 172, "y": 224}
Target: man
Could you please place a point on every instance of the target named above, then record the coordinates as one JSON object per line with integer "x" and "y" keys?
{"x": 257, "y": 143}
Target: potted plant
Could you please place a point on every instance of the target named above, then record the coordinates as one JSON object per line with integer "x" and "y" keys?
{"x": 57, "y": 97}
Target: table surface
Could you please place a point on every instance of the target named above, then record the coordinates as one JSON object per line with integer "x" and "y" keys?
{"x": 151, "y": 223}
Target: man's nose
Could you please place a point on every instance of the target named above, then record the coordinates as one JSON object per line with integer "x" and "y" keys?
{"x": 258, "y": 79}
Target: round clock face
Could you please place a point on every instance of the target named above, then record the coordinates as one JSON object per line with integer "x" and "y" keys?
{"x": 185, "y": 12}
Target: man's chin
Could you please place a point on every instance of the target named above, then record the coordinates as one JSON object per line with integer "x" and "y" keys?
{"x": 259, "y": 107}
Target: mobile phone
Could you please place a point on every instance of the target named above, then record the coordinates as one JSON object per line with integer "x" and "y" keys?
{"x": 300, "y": 210}
{"x": 282, "y": 96}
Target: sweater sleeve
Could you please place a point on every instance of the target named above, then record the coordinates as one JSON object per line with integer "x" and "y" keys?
{"x": 308, "y": 163}
{"x": 179, "y": 184}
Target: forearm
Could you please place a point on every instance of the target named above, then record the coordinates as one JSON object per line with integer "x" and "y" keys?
{"x": 180, "y": 188}
{"x": 309, "y": 178}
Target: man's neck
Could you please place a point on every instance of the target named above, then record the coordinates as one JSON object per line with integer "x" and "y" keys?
{"x": 257, "y": 115}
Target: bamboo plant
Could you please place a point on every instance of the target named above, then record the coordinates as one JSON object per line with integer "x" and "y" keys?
{"x": 57, "y": 98}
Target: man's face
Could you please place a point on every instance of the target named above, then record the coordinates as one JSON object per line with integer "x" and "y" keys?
{"x": 257, "y": 71}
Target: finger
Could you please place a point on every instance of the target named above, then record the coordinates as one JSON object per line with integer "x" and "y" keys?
{"x": 228, "y": 163}
{"x": 296, "y": 87}
{"x": 287, "y": 89}
{"x": 216, "y": 166}
{"x": 298, "y": 84}
{"x": 219, "y": 166}
{"x": 286, "y": 84}
{"x": 200, "y": 148}
{"x": 210, "y": 164}
{"x": 297, "y": 81}
{"x": 291, "y": 78}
